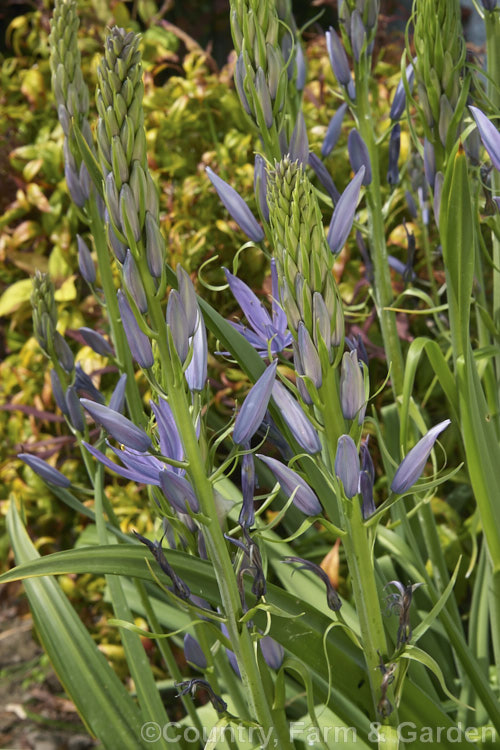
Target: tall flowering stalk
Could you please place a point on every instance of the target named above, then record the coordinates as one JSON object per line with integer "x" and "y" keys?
{"x": 72, "y": 99}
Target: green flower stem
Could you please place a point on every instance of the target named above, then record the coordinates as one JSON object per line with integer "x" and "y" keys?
{"x": 383, "y": 288}
{"x": 215, "y": 542}
{"x": 358, "y": 549}
{"x": 119, "y": 339}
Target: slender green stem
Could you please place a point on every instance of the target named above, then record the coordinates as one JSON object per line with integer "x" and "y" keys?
{"x": 382, "y": 286}
{"x": 359, "y": 555}
{"x": 358, "y": 551}
{"x": 215, "y": 542}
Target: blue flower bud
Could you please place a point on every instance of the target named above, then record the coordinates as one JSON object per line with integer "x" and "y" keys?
{"x": 176, "y": 320}
{"x": 75, "y": 188}
{"x": 237, "y": 207}
{"x": 133, "y": 282}
{"x": 63, "y": 352}
{"x": 264, "y": 97}
{"x": 347, "y": 465}
{"x": 394, "y": 147}
{"x": 359, "y": 156}
{"x": 343, "y": 215}
{"x": 239, "y": 78}
{"x": 338, "y": 58}
{"x": 324, "y": 177}
{"x": 272, "y": 651}
{"x": 85, "y": 262}
{"x": 309, "y": 356}
{"x": 85, "y": 387}
{"x": 74, "y": 409}
{"x": 188, "y": 300}
{"x": 293, "y": 414}
{"x": 196, "y": 371}
{"x": 44, "y": 470}
{"x": 254, "y": 406}
{"x": 413, "y": 464}
{"x": 117, "y": 400}
{"x": 152, "y": 204}
{"x": 429, "y": 162}
{"x": 366, "y": 461}
{"x": 358, "y": 34}
{"x": 155, "y": 246}
{"x": 139, "y": 344}
{"x": 260, "y": 186}
{"x": 178, "y": 492}
{"x": 304, "y": 498}
{"x": 119, "y": 162}
{"x": 117, "y": 246}
{"x": 333, "y": 131}
{"x": 489, "y": 5}
{"x": 129, "y": 218}
{"x": 96, "y": 342}
{"x": 352, "y": 388}
{"x": 366, "y": 490}
{"x": 57, "y": 392}
{"x": 399, "y": 101}
{"x": 489, "y": 135}
{"x": 299, "y": 144}
{"x": 118, "y": 426}
{"x": 300, "y": 65}
{"x": 112, "y": 200}
{"x": 194, "y": 653}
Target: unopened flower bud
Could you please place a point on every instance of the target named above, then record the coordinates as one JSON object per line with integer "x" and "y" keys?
{"x": 347, "y": 465}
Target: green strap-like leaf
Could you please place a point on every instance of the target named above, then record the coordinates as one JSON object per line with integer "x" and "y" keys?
{"x": 99, "y": 696}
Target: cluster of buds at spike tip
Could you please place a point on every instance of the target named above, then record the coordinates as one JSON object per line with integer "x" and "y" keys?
{"x": 358, "y": 24}
{"x": 270, "y": 67}
{"x": 44, "y": 310}
{"x": 131, "y": 198}
{"x": 440, "y": 50}
{"x": 304, "y": 262}
{"x": 71, "y": 93}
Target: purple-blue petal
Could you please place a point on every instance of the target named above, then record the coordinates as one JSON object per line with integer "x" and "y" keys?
{"x": 254, "y": 406}
{"x": 237, "y": 207}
